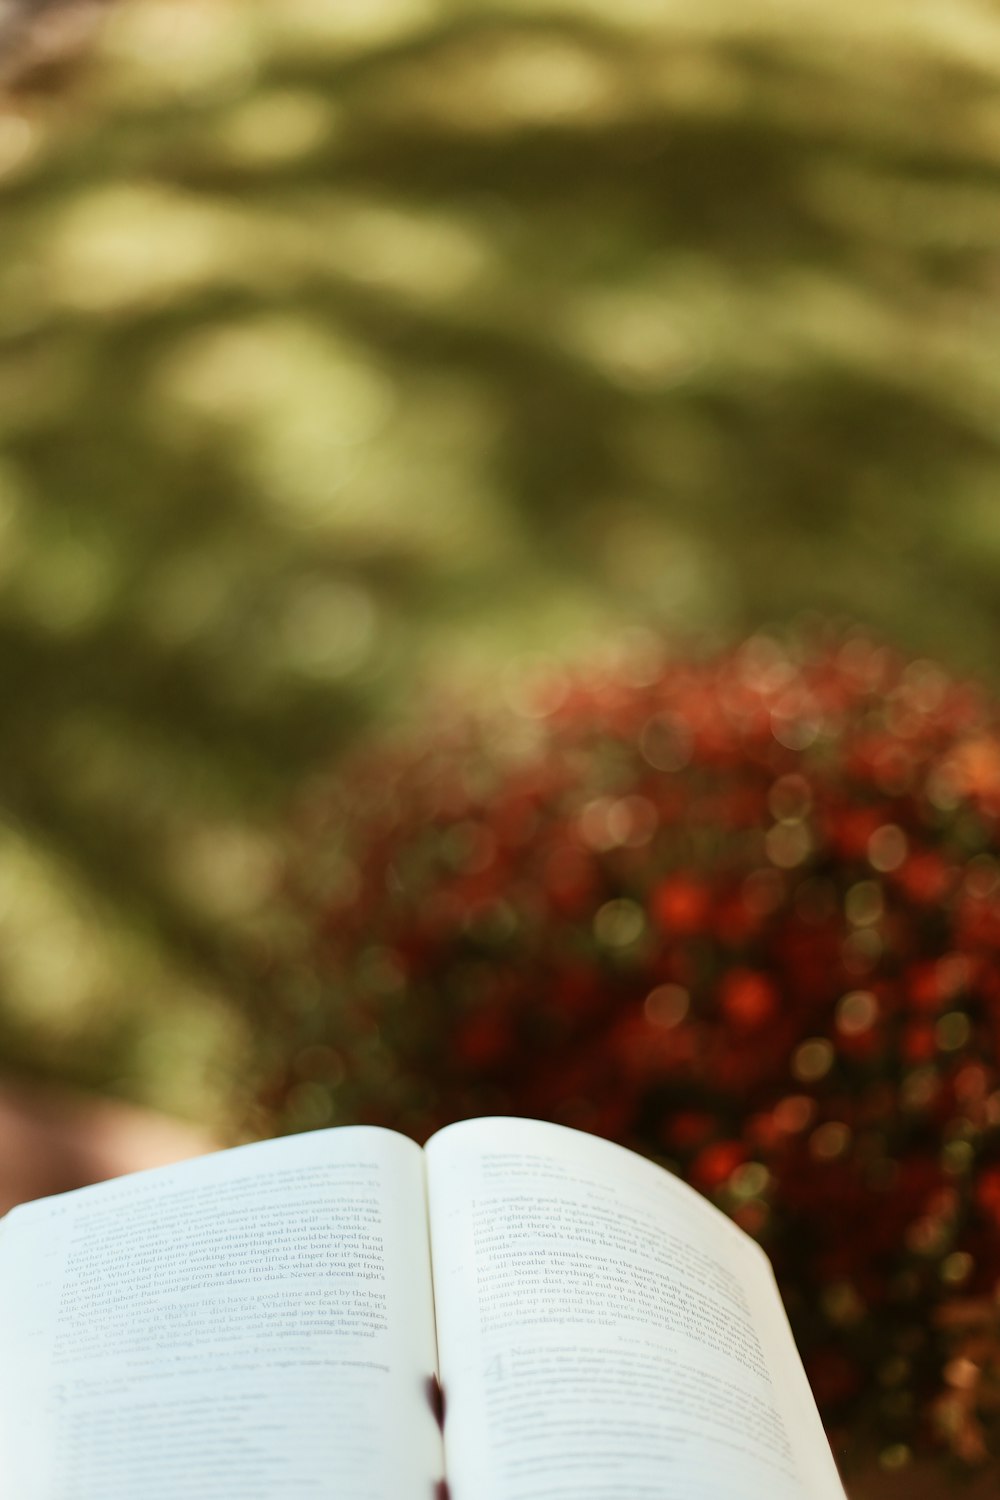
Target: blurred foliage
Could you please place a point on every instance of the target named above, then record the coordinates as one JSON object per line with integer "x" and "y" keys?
{"x": 346, "y": 344}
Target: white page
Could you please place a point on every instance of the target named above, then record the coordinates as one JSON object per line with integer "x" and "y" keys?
{"x": 256, "y": 1324}
{"x": 605, "y": 1334}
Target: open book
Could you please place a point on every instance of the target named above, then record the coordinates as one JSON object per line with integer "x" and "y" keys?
{"x": 272, "y": 1322}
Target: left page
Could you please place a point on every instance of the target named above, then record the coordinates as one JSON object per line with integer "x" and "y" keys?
{"x": 255, "y": 1325}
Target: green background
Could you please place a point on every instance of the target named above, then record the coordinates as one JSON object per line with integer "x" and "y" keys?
{"x": 357, "y": 350}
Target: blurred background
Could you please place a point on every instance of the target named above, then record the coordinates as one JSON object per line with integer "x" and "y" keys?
{"x": 349, "y": 348}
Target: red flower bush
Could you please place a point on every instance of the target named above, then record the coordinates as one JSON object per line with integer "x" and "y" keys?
{"x": 743, "y": 916}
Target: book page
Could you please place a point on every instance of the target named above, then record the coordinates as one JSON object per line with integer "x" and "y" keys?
{"x": 606, "y": 1334}
{"x": 256, "y": 1324}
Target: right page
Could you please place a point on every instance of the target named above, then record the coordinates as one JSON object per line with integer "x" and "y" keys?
{"x": 606, "y": 1334}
